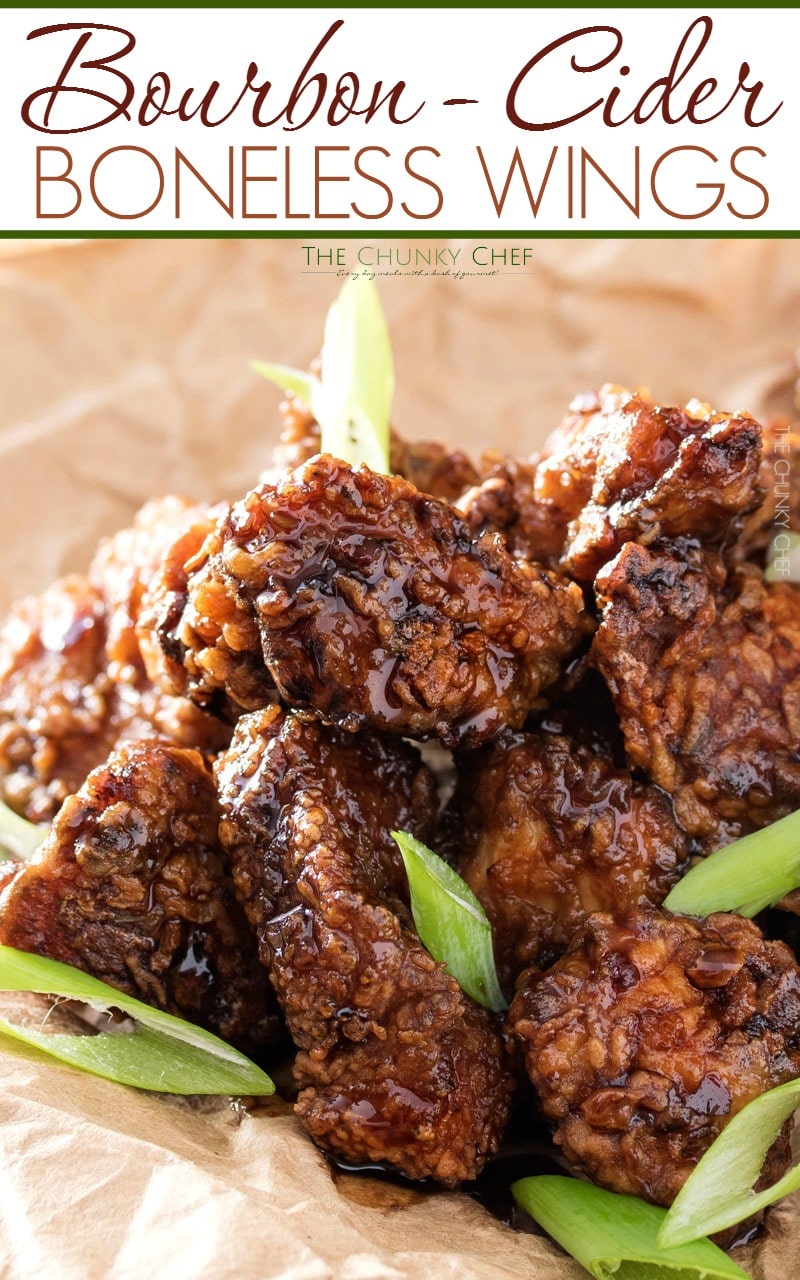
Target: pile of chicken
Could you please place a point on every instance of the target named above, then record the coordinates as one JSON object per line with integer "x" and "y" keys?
{"x": 218, "y": 723}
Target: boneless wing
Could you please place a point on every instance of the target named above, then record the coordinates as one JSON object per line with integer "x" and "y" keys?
{"x": 72, "y": 678}
{"x": 620, "y": 468}
{"x": 505, "y": 501}
{"x": 649, "y": 1035}
{"x": 395, "y": 1065}
{"x": 546, "y": 830}
{"x": 55, "y": 698}
{"x": 661, "y": 472}
{"x": 130, "y": 885}
{"x": 372, "y": 603}
{"x": 125, "y": 565}
{"x": 704, "y": 668}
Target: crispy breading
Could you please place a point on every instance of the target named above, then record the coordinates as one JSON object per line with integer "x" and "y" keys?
{"x": 64, "y": 704}
{"x": 505, "y": 501}
{"x": 203, "y": 644}
{"x": 130, "y": 885}
{"x": 372, "y": 603}
{"x": 649, "y": 1035}
{"x": 704, "y": 668}
{"x": 396, "y": 1065}
{"x": 619, "y": 469}
{"x": 126, "y": 563}
{"x": 640, "y": 472}
{"x": 546, "y": 831}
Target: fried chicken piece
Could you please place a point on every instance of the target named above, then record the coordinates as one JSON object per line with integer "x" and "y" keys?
{"x": 372, "y": 603}
{"x": 52, "y": 715}
{"x": 704, "y": 668}
{"x": 429, "y": 465}
{"x": 780, "y": 481}
{"x": 546, "y": 831}
{"x": 165, "y": 605}
{"x": 505, "y": 501}
{"x": 649, "y": 1035}
{"x": 72, "y": 679}
{"x": 125, "y": 564}
{"x": 655, "y": 473}
{"x": 130, "y": 885}
{"x": 299, "y": 435}
{"x": 396, "y": 1065}
{"x": 621, "y": 469}
{"x": 432, "y": 467}
{"x": 61, "y": 711}
{"x": 203, "y": 644}
{"x": 533, "y": 502}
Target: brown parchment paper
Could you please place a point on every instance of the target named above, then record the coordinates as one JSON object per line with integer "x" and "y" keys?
{"x": 124, "y": 374}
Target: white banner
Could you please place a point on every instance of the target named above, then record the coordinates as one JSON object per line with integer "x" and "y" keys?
{"x": 397, "y": 120}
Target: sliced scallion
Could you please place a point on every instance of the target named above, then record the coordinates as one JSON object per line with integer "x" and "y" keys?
{"x": 162, "y": 1052}
{"x": 18, "y": 837}
{"x": 615, "y": 1237}
{"x": 352, "y": 401}
{"x": 451, "y": 922}
{"x": 746, "y": 876}
{"x": 357, "y": 377}
{"x": 719, "y": 1191}
{"x": 300, "y": 384}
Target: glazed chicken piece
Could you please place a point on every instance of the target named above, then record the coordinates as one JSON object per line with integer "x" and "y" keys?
{"x": 704, "y": 669}
{"x": 161, "y": 612}
{"x": 54, "y": 697}
{"x": 649, "y": 1035}
{"x": 125, "y": 565}
{"x": 505, "y": 500}
{"x": 396, "y": 1065}
{"x": 533, "y": 501}
{"x": 432, "y": 467}
{"x": 429, "y": 465}
{"x": 622, "y": 469}
{"x": 203, "y": 644}
{"x": 72, "y": 681}
{"x": 652, "y": 473}
{"x": 130, "y": 886}
{"x": 546, "y": 831}
{"x": 61, "y": 711}
{"x": 371, "y": 603}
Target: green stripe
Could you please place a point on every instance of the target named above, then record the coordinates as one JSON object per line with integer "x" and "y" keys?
{"x": 311, "y": 234}
{"x": 420, "y": 4}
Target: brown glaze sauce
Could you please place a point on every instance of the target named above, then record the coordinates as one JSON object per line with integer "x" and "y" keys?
{"x": 527, "y": 1153}
{"x": 378, "y": 1187}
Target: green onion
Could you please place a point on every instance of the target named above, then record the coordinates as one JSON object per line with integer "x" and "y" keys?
{"x": 718, "y": 1192}
{"x": 352, "y": 401}
{"x": 19, "y": 838}
{"x": 783, "y": 558}
{"x": 615, "y": 1237}
{"x": 451, "y": 922}
{"x": 746, "y": 876}
{"x": 162, "y": 1053}
{"x": 300, "y": 384}
{"x": 357, "y": 377}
